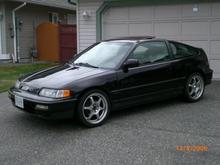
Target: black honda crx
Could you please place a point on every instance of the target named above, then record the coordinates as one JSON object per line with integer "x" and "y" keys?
{"x": 114, "y": 74}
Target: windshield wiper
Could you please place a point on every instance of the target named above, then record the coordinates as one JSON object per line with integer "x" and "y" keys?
{"x": 85, "y": 64}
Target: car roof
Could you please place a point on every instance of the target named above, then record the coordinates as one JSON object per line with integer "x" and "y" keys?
{"x": 132, "y": 38}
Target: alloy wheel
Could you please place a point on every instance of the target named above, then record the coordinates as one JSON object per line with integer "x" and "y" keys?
{"x": 95, "y": 108}
{"x": 195, "y": 87}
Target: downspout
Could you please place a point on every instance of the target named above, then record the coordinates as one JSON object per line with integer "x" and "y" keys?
{"x": 16, "y": 56}
{"x": 77, "y": 25}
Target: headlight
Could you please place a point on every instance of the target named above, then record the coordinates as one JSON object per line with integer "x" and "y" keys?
{"x": 54, "y": 93}
{"x": 17, "y": 84}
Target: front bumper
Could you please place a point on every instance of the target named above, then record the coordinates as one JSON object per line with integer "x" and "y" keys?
{"x": 56, "y": 108}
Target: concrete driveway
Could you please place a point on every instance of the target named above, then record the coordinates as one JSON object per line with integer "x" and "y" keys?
{"x": 143, "y": 135}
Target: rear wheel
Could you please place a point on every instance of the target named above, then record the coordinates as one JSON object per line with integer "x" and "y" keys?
{"x": 93, "y": 108}
{"x": 195, "y": 87}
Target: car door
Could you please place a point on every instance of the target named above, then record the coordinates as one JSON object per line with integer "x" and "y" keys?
{"x": 152, "y": 78}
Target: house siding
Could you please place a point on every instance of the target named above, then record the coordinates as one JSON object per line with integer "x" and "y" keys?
{"x": 31, "y": 16}
{"x": 87, "y": 32}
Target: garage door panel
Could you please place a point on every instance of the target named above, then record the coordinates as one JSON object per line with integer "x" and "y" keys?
{"x": 215, "y": 65}
{"x": 167, "y": 29}
{"x": 215, "y": 25}
{"x": 215, "y": 48}
{"x": 195, "y": 28}
{"x": 116, "y": 13}
{"x": 204, "y": 10}
{"x": 216, "y": 76}
{"x": 141, "y": 13}
{"x": 116, "y": 30}
{"x": 215, "y": 9}
{"x": 169, "y": 11}
{"x": 140, "y": 29}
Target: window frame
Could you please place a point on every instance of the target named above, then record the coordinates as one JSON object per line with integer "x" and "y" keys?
{"x": 153, "y": 63}
{"x": 52, "y": 16}
{"x": 181, "y": 57}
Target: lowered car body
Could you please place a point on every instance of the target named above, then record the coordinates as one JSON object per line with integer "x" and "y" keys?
{"x": 128, "y": 72}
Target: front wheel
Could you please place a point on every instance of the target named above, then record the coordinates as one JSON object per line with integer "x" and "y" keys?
{"x": 93, "y": 108}
{"x": 194, "y": 88}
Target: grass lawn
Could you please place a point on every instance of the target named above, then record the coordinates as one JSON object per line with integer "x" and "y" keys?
{"x": 9, "y": 74}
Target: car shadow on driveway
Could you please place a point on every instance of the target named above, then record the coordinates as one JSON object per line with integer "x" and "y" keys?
{"x": 146, "y": 108}
{"x": 73, "y": 124}
{"x": 166, "y": 105}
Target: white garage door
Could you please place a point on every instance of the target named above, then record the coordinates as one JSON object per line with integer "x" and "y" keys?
{"x": 195, "y": 24}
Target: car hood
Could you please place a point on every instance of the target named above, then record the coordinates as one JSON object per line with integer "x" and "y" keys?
{"x": 60, "y": 76}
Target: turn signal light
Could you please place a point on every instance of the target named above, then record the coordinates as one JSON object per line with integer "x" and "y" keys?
{"x": 66, "y": 93}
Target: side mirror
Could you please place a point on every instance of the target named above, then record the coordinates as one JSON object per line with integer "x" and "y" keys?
{"x": 130, "y": 63}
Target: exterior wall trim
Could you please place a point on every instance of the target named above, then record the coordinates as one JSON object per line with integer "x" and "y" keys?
{"x": 105, "y": 5}
{"x": 118, "y": 3}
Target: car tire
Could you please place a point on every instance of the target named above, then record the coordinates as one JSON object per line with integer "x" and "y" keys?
{"x": 93, "y": 109}
{"x": 194, "y": 87}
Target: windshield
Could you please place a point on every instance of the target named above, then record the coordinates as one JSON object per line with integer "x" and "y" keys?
{"x": 104, "y": 55}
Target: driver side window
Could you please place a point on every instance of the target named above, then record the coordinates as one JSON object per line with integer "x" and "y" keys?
{"x": 150, "y": 52}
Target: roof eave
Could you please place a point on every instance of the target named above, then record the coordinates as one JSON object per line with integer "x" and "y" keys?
{"x": 71, "y": 7}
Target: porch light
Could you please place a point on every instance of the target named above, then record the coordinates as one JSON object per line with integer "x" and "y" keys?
{"x": 86, "y": 14}
{"x": 195, "y": 8}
